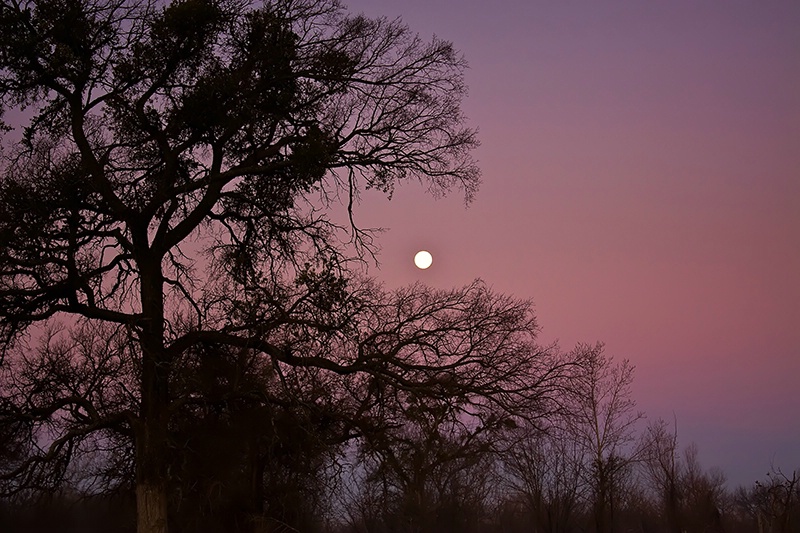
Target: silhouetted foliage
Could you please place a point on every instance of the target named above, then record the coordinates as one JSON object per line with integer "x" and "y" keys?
{"x": 169, "y": 186}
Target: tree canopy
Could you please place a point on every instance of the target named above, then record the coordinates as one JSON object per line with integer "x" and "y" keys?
{"x": 156, "y": 125}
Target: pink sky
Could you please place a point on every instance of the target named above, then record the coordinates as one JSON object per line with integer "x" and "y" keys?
{"x": 641, "y": 166}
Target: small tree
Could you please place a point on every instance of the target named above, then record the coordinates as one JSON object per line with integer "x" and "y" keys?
{"x": 773, "y": 504}
{"x": 687, "y": 497}
{"x": 705, "y": 495}
{"x": 663, "y": 470}
{"x": 603, "y": 420}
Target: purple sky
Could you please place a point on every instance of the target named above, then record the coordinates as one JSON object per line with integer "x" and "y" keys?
{"x": 641, "y": 166}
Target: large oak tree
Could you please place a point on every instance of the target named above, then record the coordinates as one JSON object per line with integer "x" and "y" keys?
{"x": 171, "y": 195}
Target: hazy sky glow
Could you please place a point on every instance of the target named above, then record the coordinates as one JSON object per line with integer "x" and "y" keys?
{"x": 641, "y": 166}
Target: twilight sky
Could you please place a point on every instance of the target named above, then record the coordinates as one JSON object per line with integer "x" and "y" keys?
{"x": 641, "y": 168}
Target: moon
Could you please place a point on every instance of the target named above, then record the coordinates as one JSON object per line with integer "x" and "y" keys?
{"x": 423, "y": 259}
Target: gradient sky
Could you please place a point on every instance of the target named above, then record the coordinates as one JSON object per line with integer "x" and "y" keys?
{"x": 641, "y": 167}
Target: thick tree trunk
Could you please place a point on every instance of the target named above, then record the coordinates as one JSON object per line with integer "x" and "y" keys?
{"x": 151, "y": 464}
{"x": 151, "y": 508}
{"x": 152, "y": 439}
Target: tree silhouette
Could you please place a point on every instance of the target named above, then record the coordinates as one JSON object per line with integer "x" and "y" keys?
{"x": 544, "y": 466}
{"x": 663, "y": 469}
{"x": 603, "y": 420}
{"x": 171, "y": 185}
{"x": 772, "y": 504}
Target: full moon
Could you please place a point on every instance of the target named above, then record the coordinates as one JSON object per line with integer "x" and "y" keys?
{"x": 423, "y": 259}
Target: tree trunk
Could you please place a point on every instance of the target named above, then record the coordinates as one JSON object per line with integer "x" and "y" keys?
{"x": 151, "y": 456}
{"x": 601, "y": 497}
{"x": 152, "y": 438}
{"x": 152, "y": 450}
{"x": 151, "y": 508}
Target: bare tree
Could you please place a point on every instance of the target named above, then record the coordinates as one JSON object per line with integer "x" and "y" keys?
{"x": 773, "y": 504}
{"x": 69, "y": 394}
{"x": 170, "y": 180}
{"x": 430, "y": 472}
{"x": 426, "y": 452}
{"x": 662, "y": 466}
{"x": 604, "y": 421}
{"x": 545, "y": 467}
{"x": 687, "y": 496}
{"x": 705, "y": 494}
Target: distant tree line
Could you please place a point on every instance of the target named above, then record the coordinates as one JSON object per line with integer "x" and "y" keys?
{"x": 256, "y": 451}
